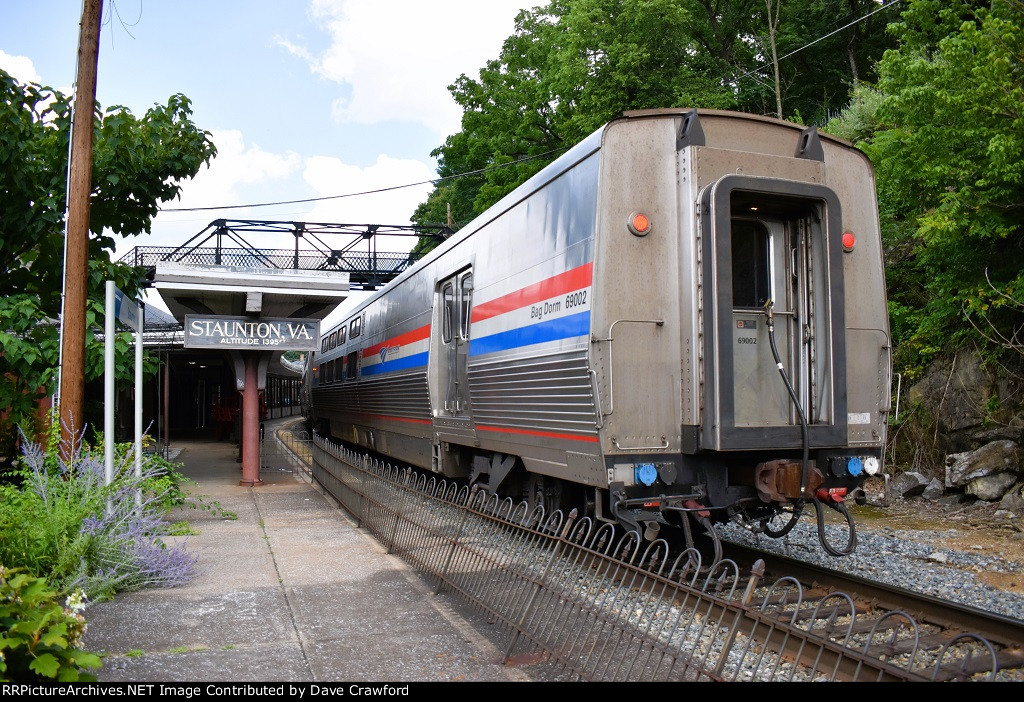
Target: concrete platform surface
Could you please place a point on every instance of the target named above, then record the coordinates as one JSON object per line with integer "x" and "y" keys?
{"x": 290, "y": 591}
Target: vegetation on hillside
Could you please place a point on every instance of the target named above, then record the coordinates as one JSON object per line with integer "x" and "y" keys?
{"x": 572, "y": 65}
{"x": 931, "y": 90}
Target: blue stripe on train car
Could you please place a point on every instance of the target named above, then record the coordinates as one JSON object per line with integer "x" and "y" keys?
{"x": 552, "y": 330}
{"x": 416, "y": 359}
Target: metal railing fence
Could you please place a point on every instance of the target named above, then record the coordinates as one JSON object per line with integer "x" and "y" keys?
{"x": 286, "y": 450}
{"x": 582, "y": 602}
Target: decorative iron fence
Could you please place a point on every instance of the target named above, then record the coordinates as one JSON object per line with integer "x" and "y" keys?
{"x": 285, "y": 449}
{"x": 579, "y": 601}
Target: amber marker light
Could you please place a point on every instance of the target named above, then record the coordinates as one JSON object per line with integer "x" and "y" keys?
{"x": 639, "y": 224}
{"x": 848, "y": 241}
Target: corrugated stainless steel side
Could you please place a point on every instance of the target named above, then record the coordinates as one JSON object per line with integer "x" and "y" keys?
{"x": 550, "y": 393}
{"x": 398, "y": 395}
{"x": 334, "y": 398}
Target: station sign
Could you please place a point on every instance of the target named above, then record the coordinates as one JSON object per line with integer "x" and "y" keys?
{"x": 264, "y": 334}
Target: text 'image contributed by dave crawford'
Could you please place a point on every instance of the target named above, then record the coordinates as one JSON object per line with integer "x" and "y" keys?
{"x": 204, "y": 690}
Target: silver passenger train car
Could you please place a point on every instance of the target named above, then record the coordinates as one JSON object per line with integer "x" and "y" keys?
{"x": 681, "y": 318}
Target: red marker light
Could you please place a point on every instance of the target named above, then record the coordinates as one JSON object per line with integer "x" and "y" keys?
{"x": 639, "y": 224}
{"x": 848, "y": 241}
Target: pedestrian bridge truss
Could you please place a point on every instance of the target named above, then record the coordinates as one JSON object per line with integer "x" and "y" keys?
{"x": 316, "y": 246}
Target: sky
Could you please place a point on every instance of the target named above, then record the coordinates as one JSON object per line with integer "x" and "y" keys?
{"x": 303, "y": 98}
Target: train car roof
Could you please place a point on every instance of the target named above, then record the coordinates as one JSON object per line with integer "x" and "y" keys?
{"x": 570, "y": 158}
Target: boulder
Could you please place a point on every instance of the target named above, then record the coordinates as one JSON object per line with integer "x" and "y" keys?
{"x": 956, "y": 391}
{"x": 908, "y": 484}
{"x": 971, "y": 404}
{"x": 996, "y": 457}
{"x": 1007, "y": 433}
{"x": 934, "y": 491}
{"x": 990, "y": 487}
{"x": 954, "y": 499}
{"x": 1013, "y": 499}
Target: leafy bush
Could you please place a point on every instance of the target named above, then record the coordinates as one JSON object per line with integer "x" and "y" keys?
{"x": 62, "y": 520}
{"x": 38, "y": 636}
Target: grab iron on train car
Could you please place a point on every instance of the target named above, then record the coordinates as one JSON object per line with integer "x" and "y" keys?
{"x": 682, "y": 318}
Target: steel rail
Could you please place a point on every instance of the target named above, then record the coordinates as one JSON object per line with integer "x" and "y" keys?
{"x": 1005, "y": 632}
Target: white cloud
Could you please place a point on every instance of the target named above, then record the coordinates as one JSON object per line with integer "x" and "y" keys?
{"x": 21, "y": 68}
{"x": 236, "y": 164}
{"x": 399, "y": 56}
{"x": 241, "y": 173}
{"x": 295, "y": 49}
{"x": 330, "y": 176}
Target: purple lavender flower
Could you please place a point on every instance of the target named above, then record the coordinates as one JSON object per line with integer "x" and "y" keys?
{"x": 119, "y": 542}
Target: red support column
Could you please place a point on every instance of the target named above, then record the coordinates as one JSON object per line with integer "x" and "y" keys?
{"x": 251, "y": 423}
{"x": 167, "y": 403}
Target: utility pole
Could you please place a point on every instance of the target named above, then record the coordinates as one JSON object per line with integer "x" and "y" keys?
{"x": 76, "y": 258}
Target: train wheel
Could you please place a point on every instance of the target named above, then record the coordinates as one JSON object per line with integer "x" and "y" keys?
{"x": 543, "y": 491}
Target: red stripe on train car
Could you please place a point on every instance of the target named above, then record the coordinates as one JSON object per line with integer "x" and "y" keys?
{"x": 562, "y": 283}
{"x": 410, "y": 420}
{"x": 545, "y": 434}
{"x": 408, "y": 337}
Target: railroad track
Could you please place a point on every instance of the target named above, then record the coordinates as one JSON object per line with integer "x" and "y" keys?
{"x": 937, "y": 622}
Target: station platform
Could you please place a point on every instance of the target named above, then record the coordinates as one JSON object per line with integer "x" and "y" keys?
{"x": 290, "y": 591}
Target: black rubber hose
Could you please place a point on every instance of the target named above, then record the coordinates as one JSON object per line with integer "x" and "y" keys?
{"x": 851, "y": 542}
{"x": 805, "y": 457}
{"x": 819, "y": 508}
{"x": 792, "y": 396}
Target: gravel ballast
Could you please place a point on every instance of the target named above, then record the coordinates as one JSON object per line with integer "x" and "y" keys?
{"x": 921, "y": 560}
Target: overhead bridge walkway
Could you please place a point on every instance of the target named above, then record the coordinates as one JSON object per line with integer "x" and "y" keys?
{"x": 318, "y": 246}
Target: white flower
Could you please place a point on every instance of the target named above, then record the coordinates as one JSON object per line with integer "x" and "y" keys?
{"x": 76, "y": 602}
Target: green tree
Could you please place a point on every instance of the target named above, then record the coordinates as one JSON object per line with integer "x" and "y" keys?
{"x": 948, "y": 147}
{"x": 569, "y": 67}
{"x": 572, "y": 65}
{"x": 837, "y": 44}
{"x": 138, "y": 163}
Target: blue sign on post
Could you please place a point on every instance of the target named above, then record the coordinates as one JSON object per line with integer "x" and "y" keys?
{"x": 125, "y": 310}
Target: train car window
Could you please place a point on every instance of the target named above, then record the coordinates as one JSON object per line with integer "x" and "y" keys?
{"x": 750, "y": 264}
{"x": 465, "y": 303}
{"x": 341, "y": 336}
{"x": 447, "y": 312}
{"x": 328, "y": 372}
{"x": 333, "y": 340}
{"x": 323, "y": 345}
{"x": 356, "y": 328}
{"x": 352, "y": 362}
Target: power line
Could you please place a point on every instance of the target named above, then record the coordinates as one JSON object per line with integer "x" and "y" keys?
{"x": 435, "y": 181}
{"x": 822, "y": 38}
